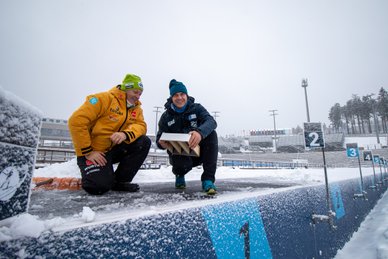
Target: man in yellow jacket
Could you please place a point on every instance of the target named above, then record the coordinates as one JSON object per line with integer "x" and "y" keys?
{"x": 109, "y": 128}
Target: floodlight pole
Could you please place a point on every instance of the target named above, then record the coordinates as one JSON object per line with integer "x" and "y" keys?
{"x": 156, "y": 119}
{"x": 274, "y": 127}
{"x": 215, "y": 115}
{"x": 304, "y": 85}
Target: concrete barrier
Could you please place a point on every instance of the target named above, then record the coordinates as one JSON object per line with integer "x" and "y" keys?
{"x": 277, "y": 225}
{"x": 19, "y": 137}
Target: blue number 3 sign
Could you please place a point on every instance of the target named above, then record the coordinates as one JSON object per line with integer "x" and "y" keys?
{"x": 352, "y": 152}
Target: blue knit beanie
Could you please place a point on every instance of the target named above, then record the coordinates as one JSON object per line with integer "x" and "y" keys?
{"x": 177, "y": 87}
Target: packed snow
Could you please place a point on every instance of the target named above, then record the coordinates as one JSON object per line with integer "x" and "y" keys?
{"x": 370, "y": 241}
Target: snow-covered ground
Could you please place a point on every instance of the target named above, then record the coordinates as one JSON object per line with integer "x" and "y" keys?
{"x": 371, "y": 240}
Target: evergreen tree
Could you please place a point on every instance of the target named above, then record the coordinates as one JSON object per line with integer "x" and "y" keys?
{"x": 357, "y": 111}
{"x": 382, "y": 107}
{"x": 335, "y": 117}
{"x": 367, "y": 111}
{"x": 347, "y": 116}
{"x": 349, "y": 113}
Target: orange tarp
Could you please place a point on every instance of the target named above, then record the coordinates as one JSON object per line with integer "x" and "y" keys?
{"x": 56, "y": 183}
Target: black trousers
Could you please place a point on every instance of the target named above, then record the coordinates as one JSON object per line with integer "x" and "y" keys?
{"x": 181, "y": 165}
{"x": 100, "y": 179}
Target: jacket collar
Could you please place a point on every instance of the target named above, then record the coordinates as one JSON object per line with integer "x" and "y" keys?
{"x": 121, "y": 95}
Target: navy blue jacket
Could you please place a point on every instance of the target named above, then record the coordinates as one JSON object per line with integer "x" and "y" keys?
{"x": 195, "y": 117}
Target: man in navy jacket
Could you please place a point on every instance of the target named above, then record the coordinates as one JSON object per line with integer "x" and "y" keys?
{"x": 183, "y": 115}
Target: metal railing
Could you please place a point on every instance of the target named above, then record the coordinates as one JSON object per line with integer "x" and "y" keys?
{"x": 49, "y": 155}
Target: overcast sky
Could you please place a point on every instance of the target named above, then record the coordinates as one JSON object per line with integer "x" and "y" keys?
{"x": 240, "y": 58}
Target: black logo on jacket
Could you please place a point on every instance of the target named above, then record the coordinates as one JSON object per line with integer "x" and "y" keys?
{"x": 117, "y": 111}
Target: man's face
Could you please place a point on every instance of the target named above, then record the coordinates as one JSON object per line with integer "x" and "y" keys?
{"x": 179, "y": 99}
{"x": 133, "y": 95}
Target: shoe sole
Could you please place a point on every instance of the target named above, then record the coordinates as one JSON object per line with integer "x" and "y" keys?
{"x": 211, "y": 192}
{"x": 126, "y": 190}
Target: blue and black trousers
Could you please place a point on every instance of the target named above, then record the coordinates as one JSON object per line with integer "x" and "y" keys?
{"x": 181, "y": 165}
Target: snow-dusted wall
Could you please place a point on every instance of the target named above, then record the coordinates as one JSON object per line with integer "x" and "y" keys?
{"x": 277, "y": 225}
{"x": 19, "y": 136}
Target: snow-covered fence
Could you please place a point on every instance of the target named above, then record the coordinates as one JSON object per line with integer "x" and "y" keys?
{"x": 19, "y": 137}
{"x": 277, "y": 225}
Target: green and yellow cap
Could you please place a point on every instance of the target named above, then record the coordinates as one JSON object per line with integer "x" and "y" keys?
{"x": 131, "y": 82}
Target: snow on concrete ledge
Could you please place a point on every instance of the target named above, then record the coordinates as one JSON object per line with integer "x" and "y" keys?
{"x": 276, "y": 225}
{"x": 19, "y": 137}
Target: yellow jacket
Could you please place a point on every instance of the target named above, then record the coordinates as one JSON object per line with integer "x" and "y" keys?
{"x": 102, "y": 114}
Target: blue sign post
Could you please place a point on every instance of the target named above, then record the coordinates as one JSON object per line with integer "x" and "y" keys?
{"x": 385, "y": 170}
{"x": 368, "y": 156}
{"x": 382, "y": 164}
{"x": 376, "y": 159}
{"x": 352, "y": 151}
{"x": 313, "y": 138}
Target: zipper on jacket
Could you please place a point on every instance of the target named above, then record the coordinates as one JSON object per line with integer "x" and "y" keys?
{"x": 126, "y": 116}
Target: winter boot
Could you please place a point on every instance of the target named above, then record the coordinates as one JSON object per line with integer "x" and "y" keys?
{"x": 125, "y": 187}
{"x": 209, "y": 187}
{"x": 180, "y": 182}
